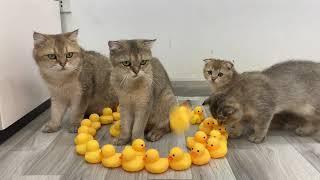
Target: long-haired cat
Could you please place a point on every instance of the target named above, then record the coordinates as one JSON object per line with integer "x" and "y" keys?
{"x": 76, "y": 79}
{"x": 144, "y": 90}
{"x": 290, "y": 87}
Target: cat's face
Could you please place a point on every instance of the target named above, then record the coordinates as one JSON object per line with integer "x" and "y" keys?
{"x": 57, "y": 54}
{"x": 131, "y": 59}
{"x": 218, "y": 72}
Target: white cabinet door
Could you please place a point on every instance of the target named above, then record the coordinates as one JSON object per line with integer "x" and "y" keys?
{"x": 21, "y": 87}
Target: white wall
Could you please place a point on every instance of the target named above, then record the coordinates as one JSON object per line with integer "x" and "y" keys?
{"x": 21, "y": 88}
{"x": 254, "y": 33}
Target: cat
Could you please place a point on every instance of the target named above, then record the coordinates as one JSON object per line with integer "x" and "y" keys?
{"x": 77, "y": 79}
{"x": 257, "y": 97}
{"x": 144, "y": 90}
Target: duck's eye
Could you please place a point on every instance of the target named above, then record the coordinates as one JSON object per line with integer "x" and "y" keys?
{"x": 211, "y": 144}
{"x": 198, "y": 151}
{"x": 126, "y": 63}
{"x": 220, "y": 74}
{"x": 209, "y": 72}
{"x": 52, "y": 56}
{"x": 141, "y": 145}
{"x": 191, "y": 148}
{"x": 208, "y": 123}
{"x": 69, "y": 55}
{"x": 173, "y": 155}
{"x": 204, "y": 137}
{"x": 144, "y": 62}
{"x": 214, "y": 136}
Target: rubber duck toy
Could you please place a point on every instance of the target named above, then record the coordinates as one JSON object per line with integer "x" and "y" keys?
{"x": 110, "y": 158}
{"x": 93, "y": 152}
{"x": 223, "y": 131}
{"x": 207, "y": 125}
{"x": 153, "y": 163}
{"x": 197, "y": 116}
{"x": 91, "y": 130}
{"x": 107, "y": 116}
{"x": 139, "y": 146}
{"x": 130, "y": 161}
{"x": 95, "y": 121}
{"x": 199, "y": 137}
{"x": 199, "y": 154}
{"x": 81, "y": 142}
{"x": 180, "y": 119}
{"x": 85, "y": 129}
{"x": 115, "y": 129}
{"x": 216, "y": 147}
{"x": 179, "y": 160}
{"x": 116, "y": 115}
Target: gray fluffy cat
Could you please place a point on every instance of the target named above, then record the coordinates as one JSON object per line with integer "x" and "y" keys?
{"x": 256, "y": 97}
{"x": 76, "y": 79}
{"x": 144, "y": 90}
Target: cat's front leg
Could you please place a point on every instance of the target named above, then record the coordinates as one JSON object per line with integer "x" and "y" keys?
{"x": 58, "y": 108}
{"x": 260, "y": 128}
{"x": 141, "y": 117}
{"x": 126, "y": 125}
{"x": 79, "y": 106}
{"x": 236, "y": 130}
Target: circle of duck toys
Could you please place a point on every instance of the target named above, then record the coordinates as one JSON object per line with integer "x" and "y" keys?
{"x": 209, "y": 142}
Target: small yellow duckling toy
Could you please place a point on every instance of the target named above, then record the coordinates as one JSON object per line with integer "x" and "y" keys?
{"x": 81, "y": 142}
{"x": 110, "y": 158}
{"x": 139, "y": 146}
{"x": 197, "y": 116}
{"x": 180, "y": 119}
{"x": 115, "y": 129}
{"x": 130, "y": 161}
{"x": 223, "y": 131}
{"x": 216, "y": 147}
{"x": 93, "y": 152}
{"x": 116, "y": 115}
{"x": 91, "y": 130}
{"x": 199, "y": 137}
{"x": 85, "y": 129}
{"x": 95, "y": 121}
{"x": 153, "y": 162}
{"x": 208, "y": 124}
{"x": 199, "y": 154}
{"x": 179, "y": 160}
{"x": 107, "y": 116}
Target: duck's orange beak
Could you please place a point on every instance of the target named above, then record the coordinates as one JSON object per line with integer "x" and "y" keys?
{"x": 170, "y": 158}
{"x": 120, "y": 157}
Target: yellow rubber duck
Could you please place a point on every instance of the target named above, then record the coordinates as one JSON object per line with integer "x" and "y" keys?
{"x": 107, "y": 116}
{"x": 223, "y": 131}
{"x": 110, "y": 158}
{"x": 179, "y": 160}
{"x": 87, "y": 122}
{"x": 87, "y": 130}
{"x": 199, "y": 137}
{"x": 198, "y": 115}
{"x": 153, "y": 162}
{"x": 93, "y": 152}
{"x": 217, "y": 148}
{"x": 95, "y": 121}
{"x": 130, "y": 161}
{"x": 81, "y": 142}
{"x": 116, "y": 115}
{"x": 115, "y": 129}
{"x": 199, "y": 154}
{"x": 208, "y": 124}
{"x": 180, "y": 119}
{"x": 139, "y": 146}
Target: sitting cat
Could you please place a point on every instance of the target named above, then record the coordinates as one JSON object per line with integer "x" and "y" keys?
{"x": 256, "y": 97}
{"x": 144, "y": 90}
{"x": 76, "y": 79}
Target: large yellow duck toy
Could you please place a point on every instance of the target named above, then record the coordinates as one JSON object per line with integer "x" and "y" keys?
{"x": 199, "y": 154}
{"x": 107, "y": 116}
{"x": 208, "y": 124}
{"x": 216, "y": 147}
{"x": 81, "y": 142}
{"x": 223, "y": 131}
{"x": 110, "y": 158}
{"x": 87, "y": 123}
{"x": 93, "y": 152}
{"x": 180, "y": 119}
{"x": 116, "y": 115}
{"x": 115, "y": 129}
{"x": 130, "y": 161}
{"x": 153, "y": 162}
{"x": 95, "y": 121}
{"x": 179, "y": 160}
{"x": 199, "y": 137}
{"x": 197, "y": 115}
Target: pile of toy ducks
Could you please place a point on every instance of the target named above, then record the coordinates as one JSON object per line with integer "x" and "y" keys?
{"x": 209, "y": 142}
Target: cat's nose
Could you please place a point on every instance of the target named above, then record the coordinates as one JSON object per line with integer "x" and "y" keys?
{"x": 213, "y": 78}
{"x": 135, "y": 70}
{"x": 62, "y": 64}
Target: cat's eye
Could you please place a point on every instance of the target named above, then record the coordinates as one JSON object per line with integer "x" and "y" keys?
{"x": 209, "y": 72}
{"x": 220, "y": 74}
{"x": 126, "y": 63}
{"x": 52, "y": 56}
{"x": 69, "y": 55}
{"x": 144, "y": 62}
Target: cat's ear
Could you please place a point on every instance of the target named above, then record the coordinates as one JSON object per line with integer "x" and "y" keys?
{"x": 148, "y": 43}
{"x": 206, "y": 101}
{"x": 229, "y": 64}
{"x": 39, "y": 39}
{"x": 114, "y": 46}
{"x": 207, "y": 60}
{"x": 73, "y": 36}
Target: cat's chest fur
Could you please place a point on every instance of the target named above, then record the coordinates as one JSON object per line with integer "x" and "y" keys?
{"x": 66, "y": 91}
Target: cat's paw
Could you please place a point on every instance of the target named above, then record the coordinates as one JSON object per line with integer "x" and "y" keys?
{"x": 50, "y": 127}
{"x": 120, "y": 141}
{"x": 255, "y": 139}
{"x": 155, "y": 135}
{"x": 234, "y": 135}
{"x": 304, "y": 131}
